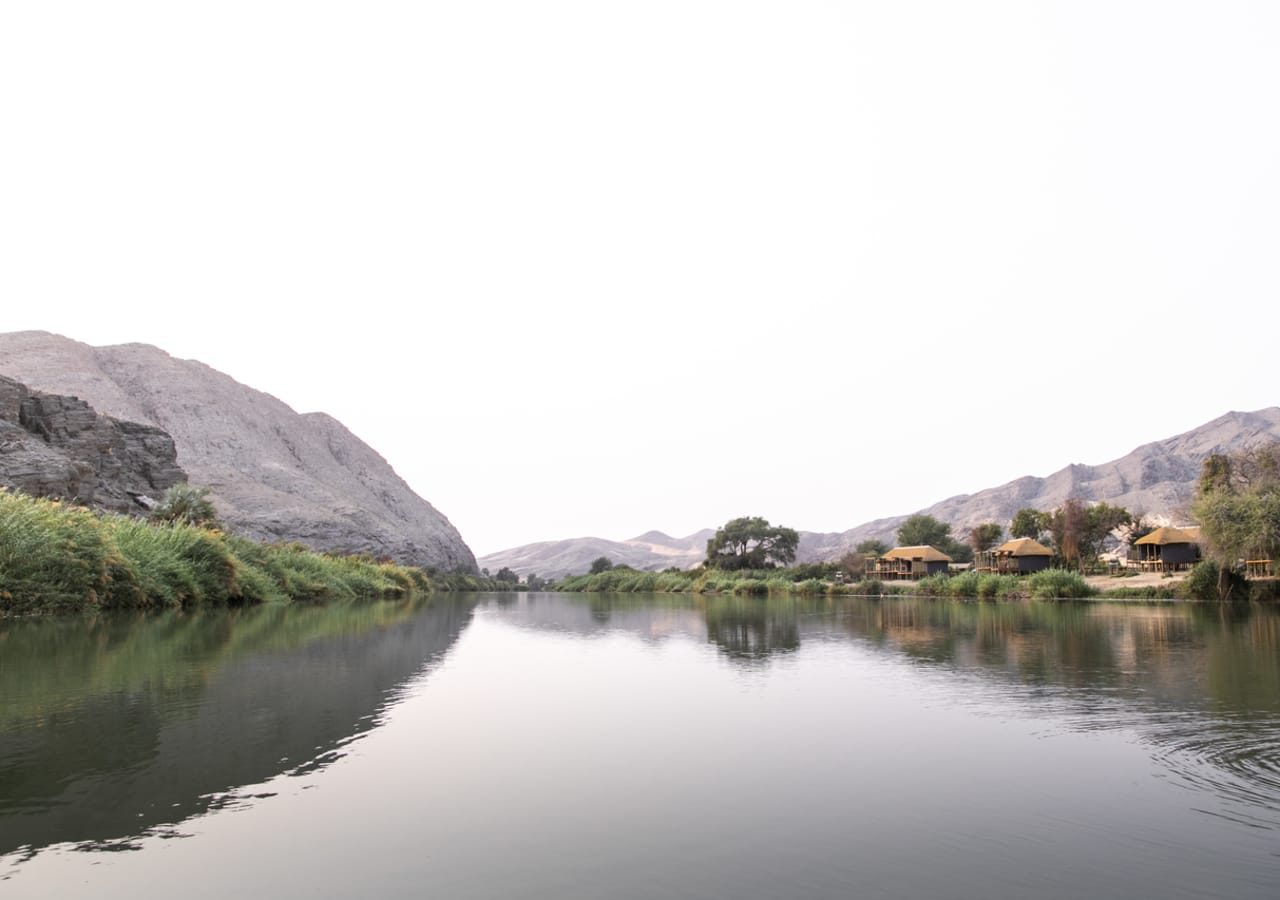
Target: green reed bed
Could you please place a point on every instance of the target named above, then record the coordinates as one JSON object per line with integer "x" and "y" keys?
{"x": 1052, "y": 584}
{"x": 798, "y": 581}
{"x": 60, "y": 558}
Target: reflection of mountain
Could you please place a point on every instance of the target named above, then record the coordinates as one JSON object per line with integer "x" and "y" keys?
{"x": 185, "y": 709}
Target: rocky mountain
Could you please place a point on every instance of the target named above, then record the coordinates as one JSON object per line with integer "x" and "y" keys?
{"x": 274, "y": 474}
{"x": 651, "y": 551}
{"x": 1156, "y": 479}
{"x": 59, "y": 447}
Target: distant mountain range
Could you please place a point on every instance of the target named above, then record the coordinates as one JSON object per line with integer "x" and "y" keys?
{"x": 274, "y": 474}
{"x": 1156, "y": 479}
{"x": 652, "y": 550}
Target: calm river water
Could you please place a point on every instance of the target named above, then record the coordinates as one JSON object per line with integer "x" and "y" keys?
{"x": 560, "y": 746}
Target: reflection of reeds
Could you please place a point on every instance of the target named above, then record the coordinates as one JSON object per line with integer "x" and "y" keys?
{"x": 55, "y": 557}
{"x": 124, "y": 652}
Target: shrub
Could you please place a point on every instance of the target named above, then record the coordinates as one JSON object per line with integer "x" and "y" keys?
{"x": 188, "y": 504}
{"x": 1059, "y": 584}
{"x": 1208, "y": 582}
{"x": 932, "y": 586}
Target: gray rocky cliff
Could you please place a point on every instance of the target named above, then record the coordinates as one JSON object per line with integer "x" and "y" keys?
{"x": 274, "y": 474}
{"x": 60, "y": 447}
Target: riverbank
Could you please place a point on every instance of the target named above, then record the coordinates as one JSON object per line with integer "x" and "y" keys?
{"x": 1052, "y": 584}
{"x": 58, "y": 558}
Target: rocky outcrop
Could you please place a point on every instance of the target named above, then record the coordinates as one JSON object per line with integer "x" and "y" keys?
{"x": 58, "y": 446}
{"x": 273, "y": 474}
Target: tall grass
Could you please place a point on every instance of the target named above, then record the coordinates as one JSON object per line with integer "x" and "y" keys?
{"x": 1052, "y": 584}
{"x": 798, "y": 581}
{"x": 57, "y": 558}
{"x": 1059, "y": 584}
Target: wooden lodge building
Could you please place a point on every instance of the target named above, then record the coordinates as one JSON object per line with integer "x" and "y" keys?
{"x": 1020, "y": 556}
{"x": 1168, "y": 549}
{"x": 909, "y": 563}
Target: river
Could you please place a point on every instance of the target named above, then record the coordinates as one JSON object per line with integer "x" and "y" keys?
{"x": 563, "y": 746}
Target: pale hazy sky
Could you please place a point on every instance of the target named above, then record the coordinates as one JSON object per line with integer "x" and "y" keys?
{"x": 595, "y": 268}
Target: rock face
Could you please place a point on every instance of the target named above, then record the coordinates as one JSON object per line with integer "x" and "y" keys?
{"x": 1157, "y": 479}
{"x": 56, "y": 446}
{"x": 273, "y": 474}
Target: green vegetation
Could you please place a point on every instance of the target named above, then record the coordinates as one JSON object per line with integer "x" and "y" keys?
{"x": 801, "y": 580}
{"x": 1028, "y": 523}
{"x": 919, "y": 530}
{"x": 818, "y": 579}
{"x": 1050, "y": 584}
{"x": 751, "y": 543}
{"x": 601, "y": 564}
{"x": 1058, "y": 584}
{"x": 1079, "y": 530}
{"x": 1238, "y": 505}
{"x": 985, "y": 536}
{"x": 60, "y": 558}
{"x": 186, "y": 504}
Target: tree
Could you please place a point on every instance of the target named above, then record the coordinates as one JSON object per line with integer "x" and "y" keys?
{"x": 872, "y": 548}
{"x": 985, "y": 536}
{"x": 1067, "y": 525}
{"x": 921, "y": 529}
{"x": 601, "y": 564}
{"x": 1028, "y": 523}
{"x": 1100, "y": 520}
{"x": 853, "y": 565}
{"x": 1079, "y": 531}
{"x": 535, "y": 582}
{"x": 751, "y": 543}
{"x": 187, "y": 504}
{"x": 1238, "y": 505}
{"x": 506, "y": 576}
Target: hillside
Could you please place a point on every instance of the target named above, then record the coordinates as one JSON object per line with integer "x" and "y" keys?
{"x": 1156, "y": 479}
{"x": 273, "y": 473}
{"x": 652, "y": 551}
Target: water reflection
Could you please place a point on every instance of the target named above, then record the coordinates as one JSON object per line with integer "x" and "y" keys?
{"x": 117, "y": 726}
{"x": 1199, "y": 683}
{"x": 746, "y": 630}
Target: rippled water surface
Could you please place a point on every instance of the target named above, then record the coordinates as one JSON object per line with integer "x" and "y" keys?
{"x": 564, "y": 746}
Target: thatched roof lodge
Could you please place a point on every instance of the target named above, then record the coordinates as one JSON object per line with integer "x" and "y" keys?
{"x": 909, "y": 562}
{"x": 1021, "y": 556}
{"x": 1168, "y": 549}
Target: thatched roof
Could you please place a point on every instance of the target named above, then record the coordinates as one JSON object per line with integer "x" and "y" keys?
{"x": 923, "y": 553}
{"x": 1023, "y": 547}
{"x": 1167, "y": 535}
